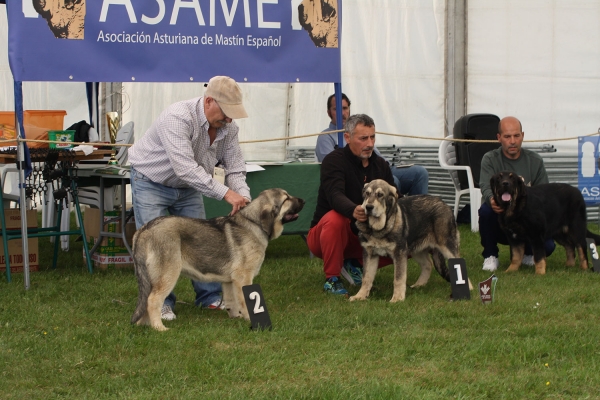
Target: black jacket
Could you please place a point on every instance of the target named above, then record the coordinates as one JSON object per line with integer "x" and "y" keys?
{"x": 342, "y": 180}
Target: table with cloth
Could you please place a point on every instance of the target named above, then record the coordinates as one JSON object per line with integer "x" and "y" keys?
{"x": 298, "y": 179}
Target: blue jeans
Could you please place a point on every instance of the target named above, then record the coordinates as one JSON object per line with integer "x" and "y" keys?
{"x": 151, "y": 200}
{"x": 491, "y": 234}
{"x": 411, "y": 180}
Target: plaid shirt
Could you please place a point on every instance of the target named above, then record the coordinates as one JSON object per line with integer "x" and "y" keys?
{"x": 176, "y": 152}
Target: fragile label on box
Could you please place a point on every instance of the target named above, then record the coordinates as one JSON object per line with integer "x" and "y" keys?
{"x": 113, "y": 259}
{"x": 104, "y": 260}
{"x": 15, "y": 246}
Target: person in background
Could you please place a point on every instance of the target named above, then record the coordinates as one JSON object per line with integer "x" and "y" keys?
{"x": 191, "y": 150}
{"x": 510, "y": 156}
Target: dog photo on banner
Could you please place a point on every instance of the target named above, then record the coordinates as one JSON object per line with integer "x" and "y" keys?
{"x": 589, "y": 169}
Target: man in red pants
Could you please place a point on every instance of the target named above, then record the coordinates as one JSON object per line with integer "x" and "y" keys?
{"x": 333, "y": 236}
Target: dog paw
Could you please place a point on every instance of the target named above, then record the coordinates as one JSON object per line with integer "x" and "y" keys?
{"x": 512, "y": 268}
{"x": 160, "y": 328}
{"x": 357, "y": 297}
{"x": 396, "y": 299}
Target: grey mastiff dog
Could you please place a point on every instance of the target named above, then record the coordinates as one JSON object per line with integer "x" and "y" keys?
{"x": 420, "y": 226}
{"x": 229, "y": 250}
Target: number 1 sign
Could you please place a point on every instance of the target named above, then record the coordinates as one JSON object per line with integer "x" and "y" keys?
{"x": 257, "y": 308}
{"x": 459, "y": 279}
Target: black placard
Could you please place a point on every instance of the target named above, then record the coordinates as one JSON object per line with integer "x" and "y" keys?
{"x": 257, "y": 307}
{"x": 594, "y": 255}
{"x": 459, "y": 279}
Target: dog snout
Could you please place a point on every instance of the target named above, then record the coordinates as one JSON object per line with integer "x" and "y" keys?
{"x": 298, "y": 204}
{"x": 369, "y": 208}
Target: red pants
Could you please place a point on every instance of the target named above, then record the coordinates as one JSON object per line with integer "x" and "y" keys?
{"x": 333, "y": 241}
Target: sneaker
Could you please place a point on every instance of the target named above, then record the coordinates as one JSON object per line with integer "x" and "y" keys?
{"x": 352, "y": 271}
{"x": 491, "y": 263}
{"x": 528, "y": 260}
{"x": 216, "y": 305}
{"x": 334, "y": 285}
{"x": 167, "y": 314}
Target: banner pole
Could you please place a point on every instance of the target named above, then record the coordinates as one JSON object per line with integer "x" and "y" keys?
{"x": 21, "y": 167}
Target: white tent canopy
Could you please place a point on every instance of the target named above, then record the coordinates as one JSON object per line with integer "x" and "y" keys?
{"x": 538, "y": 60}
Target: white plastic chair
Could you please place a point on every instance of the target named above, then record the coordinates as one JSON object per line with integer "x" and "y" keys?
{"x": 10, "y": 186}
{"x": 90, "y": 195}
{"x": 447, "y": 157}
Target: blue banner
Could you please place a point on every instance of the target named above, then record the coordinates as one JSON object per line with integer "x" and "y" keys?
{"x": 589, "y": 169}
{"x": 175, "y": 40}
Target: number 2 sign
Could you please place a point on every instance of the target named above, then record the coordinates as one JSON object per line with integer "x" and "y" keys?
{"x": 257, "y": 308}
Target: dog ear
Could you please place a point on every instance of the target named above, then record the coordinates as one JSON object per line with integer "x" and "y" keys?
{"x": 394, "y": 191}
{"x": 267, "y": 221}
{"x": 496, "y": 185}
{"x": 390, "y": 200}
{"x": 365, "y": 186}
{"x": 520, "y": 184}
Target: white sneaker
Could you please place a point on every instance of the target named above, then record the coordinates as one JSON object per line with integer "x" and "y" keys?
{"x": 528, "y": 260}
{"x": 216, "y": 305}
{"x": 491, "y": 264}
{"x": 167, "y": 314}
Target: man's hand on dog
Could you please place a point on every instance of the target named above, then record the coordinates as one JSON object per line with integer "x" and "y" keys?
{"x": 359, "y": 214}
{"x": 497, "y": 209}
{"x": 237, "y": 202}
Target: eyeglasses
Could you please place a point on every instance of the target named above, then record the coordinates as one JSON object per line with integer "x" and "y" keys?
{"x": 220, "y": 109}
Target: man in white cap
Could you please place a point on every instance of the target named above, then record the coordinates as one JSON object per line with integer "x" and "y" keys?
{"x": 191, "y": 150}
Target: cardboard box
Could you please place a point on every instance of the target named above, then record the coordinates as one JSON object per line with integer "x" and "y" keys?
{"x": 111, "y": 253}
{"x": 15, "y": 246}
{"x": 37, "y": 123}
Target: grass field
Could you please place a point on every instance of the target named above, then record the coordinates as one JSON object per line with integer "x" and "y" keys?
{"x": 69, "y": 336}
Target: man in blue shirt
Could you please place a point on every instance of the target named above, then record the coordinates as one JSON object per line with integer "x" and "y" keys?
{"x": 409, "y": 180}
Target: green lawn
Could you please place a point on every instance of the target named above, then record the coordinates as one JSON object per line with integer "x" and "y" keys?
{"x": 69, "y": 336}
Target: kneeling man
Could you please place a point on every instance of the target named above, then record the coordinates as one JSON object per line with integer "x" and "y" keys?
{"x": 333, "y": 236}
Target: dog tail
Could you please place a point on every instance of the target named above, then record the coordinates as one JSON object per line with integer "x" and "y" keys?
{"x": 144, "y": 284}
{"x": 592, "y": 235}
{"x": 439, "y": 262}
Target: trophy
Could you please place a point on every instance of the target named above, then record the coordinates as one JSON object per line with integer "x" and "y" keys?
{"x": 113, "y": 121}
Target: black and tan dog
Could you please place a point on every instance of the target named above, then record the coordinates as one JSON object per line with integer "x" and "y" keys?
{"x": 415, "y": 225}
{"x": 229, "y": 250}
{"x": 534, "y": 214}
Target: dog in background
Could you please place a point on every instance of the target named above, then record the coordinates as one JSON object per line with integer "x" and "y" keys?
{"x": 415, "y": 225}
{"x": 229, "y": 250}
{"x": 533, "y": 214}
{"x": 66, "y": 18}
